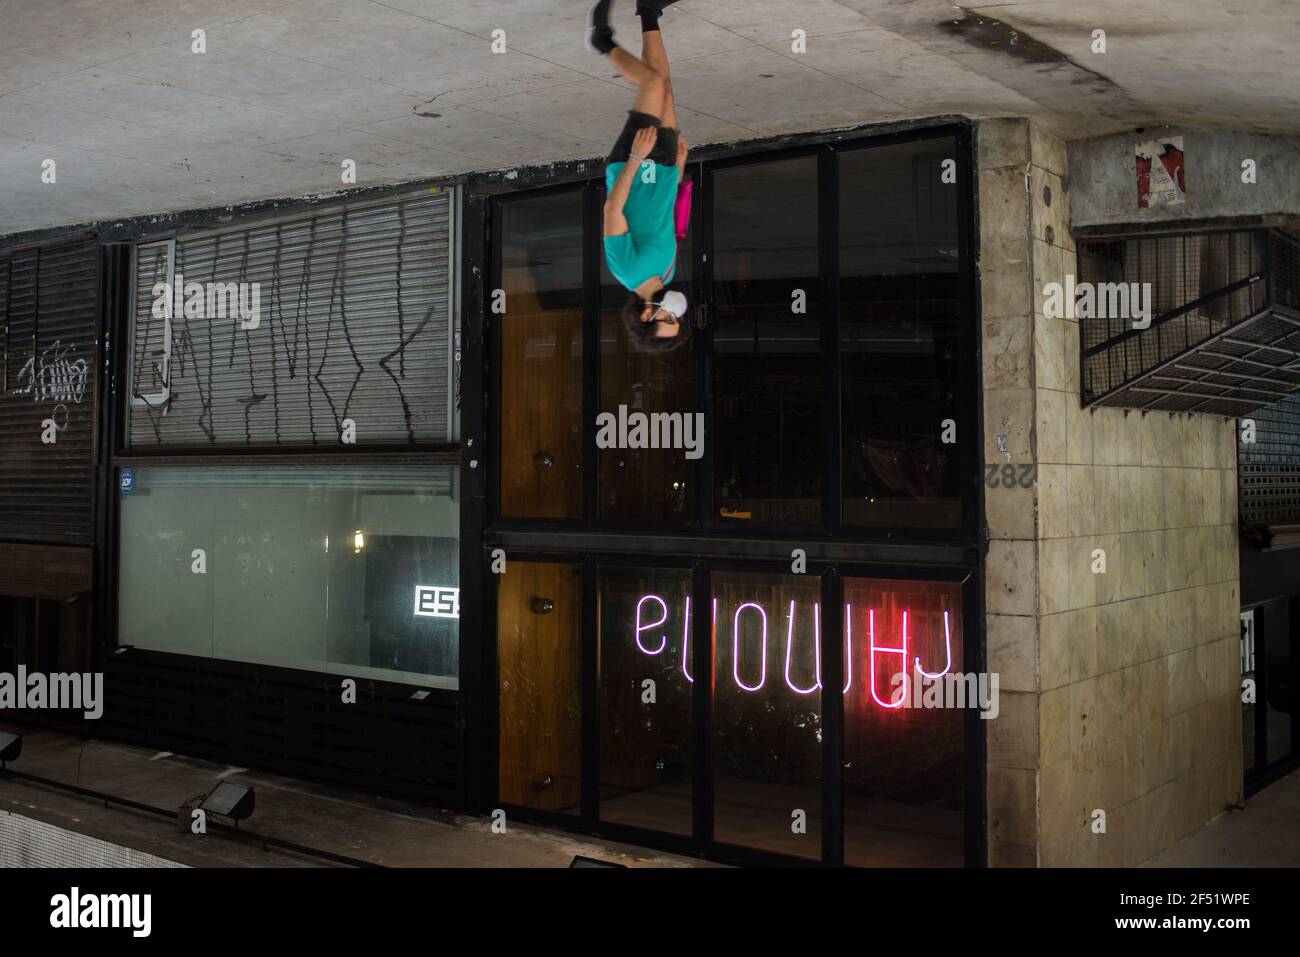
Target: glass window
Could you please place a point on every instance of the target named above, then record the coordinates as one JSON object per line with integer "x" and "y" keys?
{"x": 1279, "y": 681}
{"x": 903, "y": 751}
{"x": 539, "y": 669}
{"x": 646, "y": 680}
{"x": 350, "y": 570}
{"x": 767, "y": 712}
{"x": 899, "y": 335}
{"x": 646, "y": 484}
{"x": 766, "y": 346}
{"x": 1248, "y": 702}
{"x": 541, "y": 355}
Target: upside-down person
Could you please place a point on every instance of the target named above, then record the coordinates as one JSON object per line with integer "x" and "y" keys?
{"x": 648, "y": 198}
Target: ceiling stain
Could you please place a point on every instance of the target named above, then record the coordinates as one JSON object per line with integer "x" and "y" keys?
{"x": 991, "y": 35}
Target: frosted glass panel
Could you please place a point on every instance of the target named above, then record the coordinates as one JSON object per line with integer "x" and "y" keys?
{"x": 349, "y": 570}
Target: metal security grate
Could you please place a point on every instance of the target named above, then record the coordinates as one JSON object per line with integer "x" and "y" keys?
{"x": 1269, "y": 468}
{"x": 355, "y": 323}
{"x": 49, "y": 308}
{"x": 1224, "y": 335}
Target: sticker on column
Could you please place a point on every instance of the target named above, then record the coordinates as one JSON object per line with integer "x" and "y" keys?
{"x": 126, "y": 481}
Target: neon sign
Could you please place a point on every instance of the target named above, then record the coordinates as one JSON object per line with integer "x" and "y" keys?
{"x": 754, "y": 682}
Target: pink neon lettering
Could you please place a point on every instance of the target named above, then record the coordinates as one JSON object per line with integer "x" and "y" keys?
{"x": 663, "y": 639}
{"x": 873, "y": 648}
{"x": 735, "y": 648}
{"x": 817, "y": 651}
{"x": 686, "y": 638}
{"x": 947, "y": 651}
{"x": 884, "y": 650}
{"x": 848, "y": 647}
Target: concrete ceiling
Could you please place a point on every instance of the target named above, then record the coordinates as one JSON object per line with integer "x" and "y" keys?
{"x": 409, "y": 89}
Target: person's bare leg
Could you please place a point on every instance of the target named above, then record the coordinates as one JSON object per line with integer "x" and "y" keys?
{"x": 629, "y": 67}
{"x": 650, "y": 83}
{"x": 669, "y": 116}
{"x": 653, "y": 53}
{"x": 654, "y": 56}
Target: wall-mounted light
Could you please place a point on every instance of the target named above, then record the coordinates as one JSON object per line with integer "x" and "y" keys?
{"x": 11, "y": 745}
{"x": 358, "y": 542}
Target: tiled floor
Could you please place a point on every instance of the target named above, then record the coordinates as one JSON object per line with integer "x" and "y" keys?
{"x": 1265, "y": 834}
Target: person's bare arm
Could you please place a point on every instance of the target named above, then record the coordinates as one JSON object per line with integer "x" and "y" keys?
{"x": 681, "y": 158}
{"x": 642, "y": 144}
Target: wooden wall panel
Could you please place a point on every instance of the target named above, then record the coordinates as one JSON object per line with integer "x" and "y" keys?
{"x": 541, "y": 403}
{"x": 539, "y": 667}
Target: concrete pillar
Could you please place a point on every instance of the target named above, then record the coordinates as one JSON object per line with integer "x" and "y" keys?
{"x": 1120, "y": 689}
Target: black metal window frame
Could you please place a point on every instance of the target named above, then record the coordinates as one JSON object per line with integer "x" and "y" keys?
{"x": 704, "y": 520}
{"x": 1267, "y": 768}
{"x": 704, "y": 545}
{"x": 701, "y": 841}
{"x": 390, "y": 697}
{"x": 119, "y": 309}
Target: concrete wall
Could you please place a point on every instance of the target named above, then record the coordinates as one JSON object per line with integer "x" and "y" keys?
{"x": 1120, "y": 690}
{"x": 1103, "y": 181}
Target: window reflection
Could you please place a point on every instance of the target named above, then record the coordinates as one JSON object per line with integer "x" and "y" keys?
{"x": 1278, "y": 692}
{"x": 899, "y": 335}
{"x": 903, "y": 763}
{"x": 767, "y": 712}
{"x": 766, "y": 365}
{"x": 646, "y": 679}
{"x": 644, "y": 485}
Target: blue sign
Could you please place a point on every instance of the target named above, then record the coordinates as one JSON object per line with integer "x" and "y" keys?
{"x": 126, "y": 482}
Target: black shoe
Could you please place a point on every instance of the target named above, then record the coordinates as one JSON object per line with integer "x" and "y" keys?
{"x": 600, "y": 36}
{"x": 652, "y": 6}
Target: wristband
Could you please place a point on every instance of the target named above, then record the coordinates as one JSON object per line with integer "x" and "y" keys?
{"x": 636, "y": 156}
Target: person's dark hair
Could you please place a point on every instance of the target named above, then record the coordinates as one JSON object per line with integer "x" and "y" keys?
{"x": 642, "y": 334}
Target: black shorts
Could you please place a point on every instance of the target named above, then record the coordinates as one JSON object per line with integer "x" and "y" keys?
{"x": 665, "y": 151}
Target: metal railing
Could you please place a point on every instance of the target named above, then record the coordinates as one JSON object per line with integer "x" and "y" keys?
{"x": 1218, "y": 328}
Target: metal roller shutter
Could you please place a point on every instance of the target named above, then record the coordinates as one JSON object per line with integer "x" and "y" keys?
{"x": 354, "y": 323}
{"x": 50, "y": 306}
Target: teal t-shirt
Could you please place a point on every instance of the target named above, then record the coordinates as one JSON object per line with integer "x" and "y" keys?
{"x": 649, "y": 247}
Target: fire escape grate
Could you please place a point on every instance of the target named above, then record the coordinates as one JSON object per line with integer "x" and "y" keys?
{"x": 1224, "y": 333}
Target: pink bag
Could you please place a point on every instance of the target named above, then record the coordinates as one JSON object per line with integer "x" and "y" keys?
{"x": 682, "y": 208}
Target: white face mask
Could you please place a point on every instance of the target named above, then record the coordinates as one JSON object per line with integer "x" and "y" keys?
{"x": 674, "y": 303}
